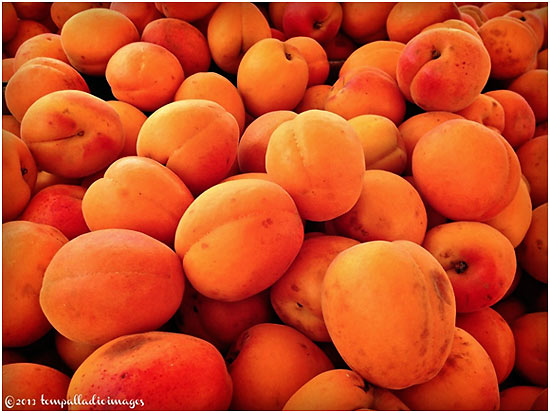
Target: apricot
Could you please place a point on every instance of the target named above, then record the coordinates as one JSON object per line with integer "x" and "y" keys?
{"x": 366, "y": 91}
{"x": 533, "y": 157}
{"x": 72, "y": 133}
{"x": 434, "y": 218}
{"x": 59, "y": 206}
{"x": 237, "y": 238}
{"x": 268, "y": 363}
{"x": 495, "y": 9}
{"x": 27, "y": 249}
{"x": 18, "y": 175}
{"x": 533, "y": 251}
{"x": 389, "y": 209}
{"x": 254, "y": 141}
{"x": 232, "y": 30}
{"x": 272, "y": 75}
{"x": 468, "y": 371}
{"x": 475, "y": 12}
{"x": 137, "y": 285}
{"x": 541, "y": 402}
{"x": 125, "y": 366}
{"x": 33, "y": 387}
{"x": 382, "y": 54}
{"x": 495, "y": 335}
{"x": 318, "y": 20}
{"x": 391, "y": 342}
{"x": 382, "y": 143}
{"x": 275, "y": 12}
{"x": 219, "y": 322}
{"x": 542, "y": 59}
{"x": 454, "y": 24}
{"x": 510, "y": 308}
{"x": 7, "y": 69}
{"x": 511, "y": 45}
{"x": 213, "y": 86}
{"x": 195, "y": 138}
{"x": 485, "y": 110}
{"x": 140, "y": 194}
{"x": 533, "y": 86}
{"x": 183, "y": 40}
{"x": 533, "y": 21}
{"x": 42, "y": 45}
{"x": 26, "y": 29}
{"x": 519, "y": 118}
{"x": 517, "y": 398}
{"x": 354, "y": 16}
{"x": 140, "y": 13}
{"x": 71, "y": 352}
{"x": 448, "y": 173}
{"x": 12, "y": 125}
{"x": 90, "y": 37}
{"x": 514, "y": 220}
{"x": 406, "y": 20}
{"x": 250, "y": 175}
{"x": 61, "y": 11}
{"x": 9, "y": 21}
{"x": 315, "y": 57}
{"x": 186, "y": 11}
{"x": 37, "y": 78}
{"x": 338, "y": 389}
{"x": 45, "y": 179}
{"x": 443, "y": 69}
{"x": 318, "y": 158}
{"x": 296, "y": 296}
{"x": 480, "y": 262}
{"x": 531, "y": 336}
{"x": 315, "y": 97}
{"x": 132, "y": 120}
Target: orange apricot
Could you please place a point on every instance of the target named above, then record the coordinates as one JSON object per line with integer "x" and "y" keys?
{"x": 132, "y": 120}
{"x": 187, "y": 11}
{"x": 315, "y": 97}
{"x": 42, "y": 45}
{"x": 485, "y": 110}
{"x": 531, "y": 336}
{"x": 8, "y": 68}
{"x": 533, "y": 157}
{"x": 140, "y": 13}
{"x": 517, "y": 398}
{"x": 533, "y": 86}
{"x": 10, "y": 21}
{"x": 495, "y": 9}
{"x": 315, "y": 56}
{"x": 454, "y": 24}
{"x": 61, "y": 11}
{"x": 10, "y": 124}
{"x": 355, "y": 15}
{"x": 382, "y": 54}
{"x": 533, "y": 250}
{"x": 71, "y": 352}
{"x": 26, "y": 29}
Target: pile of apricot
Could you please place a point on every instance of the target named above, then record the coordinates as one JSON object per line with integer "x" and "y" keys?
{"x": 266, "y": 206}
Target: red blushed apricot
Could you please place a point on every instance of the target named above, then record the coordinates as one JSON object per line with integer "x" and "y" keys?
{"x": 487, "y": 111}
{"x": 125, "y": 366}
{"x": 382, "y": 54}
{"x": 533, "y": 86}
{"x": 218, "y": 322}
{"x": 59, "y": 206}
{"x": 27, "y": 249}
{"x": 533, "y": 157}
{"x": 10, "y": 124}
{"x": 254, "y": 141}
{"x": 368, "y": 91}
{"x": 406, "y": 20}
{"x": 531, "y": 335}
{"x": 296, "y": 296}
{"x": 413, "y": 128}
{"x": 320, "y": 21}
{"x": 137, "y": 193}
{"x": 478, "y": 259}
{"x": 354, "y": 16}
{"x": 318, "y": 158}
{"x": 71, "y": 352}
{"x": 514, "y": 220}
{"x": 519, "y": 118}
{"x": 217, "y": 88}
{"x": 137, "y": 285}
{"x": 195, "y": 138}
{"x": 447, "y": 171}
{"x": 315, "y": 56}
{"x": 468, "y": 370}
{"x": 339, "y": 48}
{"x": 42, "y": 45}
{"x": 382, "y": 143}
{"x": 32, "y": 386}
{"x": 237, "y": 238}
{"x": 9, "y": 21}
{"x": 186, "y": 11}
{"x": 72, "y": 133}
{"x": 183, "y": 39}
{"x": 269, "y": 363}
{"x": 389, "y": 209}
{"x": 26, "y": 29}
{"x": 443, "y": 69}
{"x": 511, "y": 44}
{"x": 140, "y": 13}
{"x": 18, "y": 175}
{"x": 391, "y": 342}
{"x": 495, "y": 335}
{"x": 144, "y": 74}
{"x": 92, "y": 36}
{"x": 518, "y": 398}
{"x": 232, "y": 30}
{"x": 315, "y": 97}
{"x": 132, "y": 120}
{"x": 37, "y": 78}
{"x": 533, "y": 250}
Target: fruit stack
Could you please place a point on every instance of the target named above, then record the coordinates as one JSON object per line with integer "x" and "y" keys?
{"x": 266, "y": 206}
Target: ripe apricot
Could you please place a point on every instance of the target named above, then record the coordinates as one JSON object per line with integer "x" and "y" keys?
{"x": 132, "y": 120}
{"x": 531, "y": 336}
{"x": 61, "y": 11}
{"x": 485, "y": 110}
{"x": 382, "y": 54}
{"x": 533, "y": 157}
{"x": 533, "y": 86}
{"x": 10, "y": 21}
{"x": 315, "y": 56}
{"x": 533, "y": 250}
{"x": 10, "y": 124}
{"x": 140, "y": 13}
{"x": 315, "y": 97}
{"x": 26, "y": 29}
{"x": 186, "y": 11}
{"x": 354, "y": 16}
{"x": 42, "y": 45}
{"x": 517, "y": 398}
{"x": 73, "y": 353}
